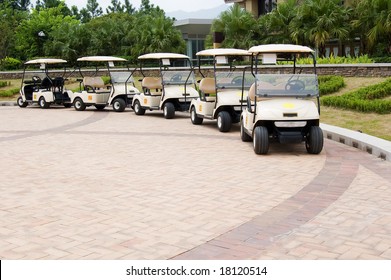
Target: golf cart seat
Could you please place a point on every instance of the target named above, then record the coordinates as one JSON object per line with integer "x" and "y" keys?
{"x": 150, "y": 83}
{"x": 94, "y": 84}
{"x": 46, "y": 83}
{"x": 208, "y": 87}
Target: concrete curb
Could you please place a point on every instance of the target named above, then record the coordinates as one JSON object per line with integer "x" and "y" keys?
{"x": 370, "y": 144}
{"x": 8, "y": 103}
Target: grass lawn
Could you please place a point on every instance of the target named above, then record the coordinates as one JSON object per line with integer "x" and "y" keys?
{"x": 370, "y": 123}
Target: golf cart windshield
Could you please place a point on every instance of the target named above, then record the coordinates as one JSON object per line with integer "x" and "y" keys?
{"x": 233, "y": 80}
{"x": 287, "y": 85}
{"x": 121, "y": 77}
{"x": 178, "y": 77}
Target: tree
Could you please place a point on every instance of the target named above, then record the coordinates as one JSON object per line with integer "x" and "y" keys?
{"x": 155, "y": 33}
{"x": 372, "y": 23}
{"x": 115, "y": 7}
{"x": 238, "y": 26}
{"x": 92, "y": 10}
{"x": 276, "y": 25}
{"x": 35, "y": 33}
{"x": 21, "y": 5}
{"x": 46, "y": 4}
{"x": 319, "y": 21}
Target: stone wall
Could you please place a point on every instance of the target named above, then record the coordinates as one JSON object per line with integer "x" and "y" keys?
{"x": 347, "y": 70}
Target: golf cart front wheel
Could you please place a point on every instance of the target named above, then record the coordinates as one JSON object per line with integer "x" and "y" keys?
{"x": 194, "y": 118}
{"x": 224, "y": 121}
{"x": 42, "y": 103}
{"x": 169, "y": 110}
{"x": 138, "y": 109}
{"x": 119, "y": 105}
{"x": 79, "y": 104}
{"x": 261, "y": 140}
{"x": 314, "y": 140}
{"x": 21, "y": 103}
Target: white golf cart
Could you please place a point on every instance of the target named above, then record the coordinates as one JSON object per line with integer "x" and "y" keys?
{"x": 172, "y": 91}
{"x": 44, "y": 87}
{"x": 222, "y": 96}
{"x": 119, "y": 93}
{"x": 282, "y": 107}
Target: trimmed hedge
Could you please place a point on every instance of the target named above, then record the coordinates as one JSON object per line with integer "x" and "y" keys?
{"x": 368, "y": 99}
{"x": 330, "y": 84}
{"x": 9, "y": 93}
{"x": 4, "y": 83}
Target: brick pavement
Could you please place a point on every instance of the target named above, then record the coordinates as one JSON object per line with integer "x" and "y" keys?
{"x": 103, "y": 185}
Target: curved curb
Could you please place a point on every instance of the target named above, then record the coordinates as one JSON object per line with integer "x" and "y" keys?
{"x": 375, "y": 146}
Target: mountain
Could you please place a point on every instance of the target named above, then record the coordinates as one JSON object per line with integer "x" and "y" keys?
{"x": 201, "y": 14}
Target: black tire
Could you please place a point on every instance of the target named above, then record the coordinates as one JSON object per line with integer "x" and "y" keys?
{"x": 119, "y": 105}
{"x": 20, "y": 102}
{"x": 100, "y": 107}
{"x": 194, "y": 118}
{"x": 224, "y": 121}
{"x": 261, "y": 140}
{"x": 42, "y": 103}
{"x": 169, "y": 110}
{"x": 138, "y": 109}
{"x": 314, "y": 140}
{"x": 243, "y": 135}
{"x": 67, "y": 105}
{"x": 79, "y": 104}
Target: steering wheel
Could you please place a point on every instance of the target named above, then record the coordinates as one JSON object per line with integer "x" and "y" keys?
{"x": 295, "y": 85}
{"x": 36, "y": 79}
{"x": 176, "y": 78}
{"x": 237, "y": 81}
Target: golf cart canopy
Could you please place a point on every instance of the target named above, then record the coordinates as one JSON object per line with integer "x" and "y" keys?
{"x": 280, "y": 48}
{"x": 222, "y": 52}
{"x": 100, "y": 58}
{"x": 46, "y": 61}
{"x": 163, "y": 56}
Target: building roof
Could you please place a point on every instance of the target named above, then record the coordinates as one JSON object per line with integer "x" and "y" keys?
{"x": 194, "y": 26}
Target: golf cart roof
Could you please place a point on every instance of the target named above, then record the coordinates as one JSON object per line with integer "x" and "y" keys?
{"x": 280, "y": 48}
{"x": 100, "y": 58}
{"x": 222, "y": 52}
{"x": 162, "y": 56}
{"x": 46, "y": 61}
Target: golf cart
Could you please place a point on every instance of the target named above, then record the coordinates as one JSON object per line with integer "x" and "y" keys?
{"x": 172, "y": 91}
{"x": 282, "y": 107}
{"x": 44, "y": 87}
{"x": 221, "y": 97}
{"x": 119, "y": 93}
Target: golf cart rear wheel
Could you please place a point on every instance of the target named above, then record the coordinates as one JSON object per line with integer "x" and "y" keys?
{"x": 243, "y": 135}
{"x": 138, "y": 109}
{"x": 42, "y": 103}
{"x": 261, "y": 140}
{"x": 119, "y": 105}
{"x": 224, "y": 121}
{"x": 194, "y": 118}
{"x": 100, "y": 107}
{"x": 169, "y": 110}
{"x": 21, "y": 103}
{"x": 79, "y": 104}
{"x": 314, "y": 140}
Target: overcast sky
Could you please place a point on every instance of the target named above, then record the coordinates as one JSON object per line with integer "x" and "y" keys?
{"x": 166, "y": 5}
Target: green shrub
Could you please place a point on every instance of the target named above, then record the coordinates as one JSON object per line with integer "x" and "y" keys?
{"x": 334, "y": 60}
{"x": 9, "y": 93}
{"x": 4, "y": 84}
{"x": 384, "y": 59}
{"x": 330, "y": 84}
{"x": 368, "y": 99}
{"x": 10, "y": 63}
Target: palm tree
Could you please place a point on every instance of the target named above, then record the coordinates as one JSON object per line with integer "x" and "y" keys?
{"x": 238, "y": 26}
{"x": 276, "y": 25}
{"x": 319, "y": 21}
{"x": 373, "y": 23}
